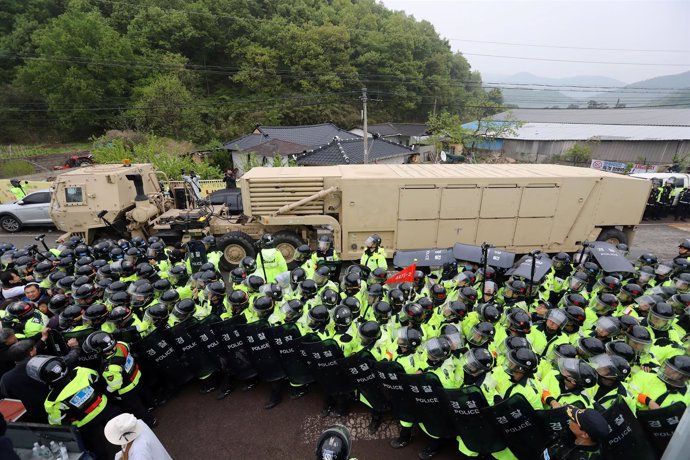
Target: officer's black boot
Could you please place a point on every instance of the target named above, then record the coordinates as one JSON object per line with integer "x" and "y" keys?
{"x": 341, "y": 407}
{"x": 328, "y": 404}
{"x": 431, "y": 449}
{"x": 375, "y": 421}
{"x": 248, "y": 384}
{"x": 297, "y": 392}
{"x": 403, "y": 439}
{"x": 276, "y": 395}
{"x": 227, "y": 386}
{"x": 207, "y": 385}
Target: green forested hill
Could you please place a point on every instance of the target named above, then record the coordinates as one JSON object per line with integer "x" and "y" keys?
{"x": 205, "y": 69}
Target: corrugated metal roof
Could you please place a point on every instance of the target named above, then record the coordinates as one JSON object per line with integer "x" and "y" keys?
{"x": 637, "y": 116}
{"x": 577, "y": 132}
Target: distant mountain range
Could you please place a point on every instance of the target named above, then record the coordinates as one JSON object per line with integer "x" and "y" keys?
{"x": 531, "y": 91}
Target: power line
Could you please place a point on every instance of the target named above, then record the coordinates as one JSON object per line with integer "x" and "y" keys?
{"x": 346, "y": 76}
{"x": 573, "y": 60}
{"x": 568, "y": 47}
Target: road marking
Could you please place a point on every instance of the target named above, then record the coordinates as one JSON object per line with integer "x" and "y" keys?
{"x": 357, "y": 423}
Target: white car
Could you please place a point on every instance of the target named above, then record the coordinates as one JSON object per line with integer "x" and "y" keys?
{"x": 31, "y": 210}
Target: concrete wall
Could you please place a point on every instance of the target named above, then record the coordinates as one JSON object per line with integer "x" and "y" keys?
{"x": 656, "y": 152}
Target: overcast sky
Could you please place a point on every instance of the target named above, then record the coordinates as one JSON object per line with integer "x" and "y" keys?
{"x": 623, "y": 28}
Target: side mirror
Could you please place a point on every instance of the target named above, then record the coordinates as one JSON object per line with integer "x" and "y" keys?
{"x": 20, "y": 202}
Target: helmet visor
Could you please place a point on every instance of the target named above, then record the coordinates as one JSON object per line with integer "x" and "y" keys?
{"x": 663, "y": 270}
{"x": 324, "y": 245}
{"x": 604, "y": 366}
{"x": 369, "y": 243}
{"x": 638, "y": 344}
{"x": 477, "y": 337}
{"x": 606, "y": 326}
{"x": 672, "y": 375}
{"x": 659, "y": 323}
{"x": 601, "y": 307}
{"x": 472, "y": 366}
{"x": 575, "y": 283}
{"x": 455, "y": 338}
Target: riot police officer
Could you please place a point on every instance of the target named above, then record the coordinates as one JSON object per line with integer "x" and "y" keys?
{"x": 374, "y": 255}
{"x": 121, "y": 374}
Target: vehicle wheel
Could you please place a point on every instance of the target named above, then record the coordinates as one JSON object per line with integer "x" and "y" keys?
{"x": 287, "y": 242}
{"x": 10, "y": 224}
{"x": 235, "y": 246}
{"x": 613, "y": 236}
{"x": 85, "y": 163}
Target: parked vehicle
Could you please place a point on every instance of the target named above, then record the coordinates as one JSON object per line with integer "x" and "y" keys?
{"x": 75, "y": 161}
{"x": 32, "y": 210}
{"x": 516, "y": 207}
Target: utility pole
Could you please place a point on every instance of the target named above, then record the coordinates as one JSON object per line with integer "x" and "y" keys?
{"x": 366, "y": 129}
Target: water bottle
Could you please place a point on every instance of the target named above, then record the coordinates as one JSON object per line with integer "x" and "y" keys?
{"x": 55, "y": 450}
{"x": 44, "y": 453}
{"x": 64, "y": 455}
{"x": 34, "y": 452}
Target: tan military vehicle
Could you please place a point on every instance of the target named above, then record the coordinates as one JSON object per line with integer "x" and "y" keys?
{"x": 516, "y": 207}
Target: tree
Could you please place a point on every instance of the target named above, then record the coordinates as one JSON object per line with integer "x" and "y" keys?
{"x": 68, "y": 74}
{"x": 447, "y": 129}
{"x": 166, "y": 107}
{"x": 578, "y": 154}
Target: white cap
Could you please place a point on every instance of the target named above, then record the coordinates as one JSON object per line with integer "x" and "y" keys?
{"x": 123, "y": 429}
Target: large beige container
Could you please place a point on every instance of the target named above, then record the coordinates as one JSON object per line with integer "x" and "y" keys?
{"x": 517, "y": 207}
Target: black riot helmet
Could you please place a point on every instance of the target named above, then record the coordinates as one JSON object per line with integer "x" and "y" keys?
{"x": 58, "y": 303}
{"x": 183, "y": 309}
{"x": 477, "y": 361}
{"x": 561, "y": 261}
{"x": 490, "y": 312}
{"x": 249, "y": 264}
{"x": 47, "y": 369}
{"x": 238, "y": 275}
{"x": 481, "y": 334}
{"x": 342, "y": 318}
{"x": 408, "y": 339}
{"x": 622, "y": 349}
{"x": 454, "y": 311}
{"x": 578, "y": 371}
{"x": 318, "y": 317}
{"x": 157, "y": 315}
{"x": 169, "y": 298}
{"x": 308, "y": 288}
{"x": 369, "y": 333}
{"x": 239, "y": 300}
{"x": 120, "y": 316}
{"x": 142, "y": 295}
{"x": 378, "y": 275}
{"x": 661, "y": 316}
{"x": 329, "y": 298}
{"x": 334, "y": 444}
{"x": 519, "y": 321}
{"x": 521, "y": 360}
{"x": 100, "y": 342}
{"x": 587, "y": 347}
{"x": 263, "y": 306}
{"x": 353, "y": 304}
{"x": 407, "y": 289}
{"x": 254, "y": 283}
{"x": 178, "y": 275}
{"x": 95, "y": 315}
{"x": 120, "y": 298}
{"x": 414, "y": 313}
{"x": 302, "y": 253}
{"x": 437, "y": 350}
{"x": 438, "y": 294}
{"x": 297, "y": 275}
{"x": 293, "y": 310}
{"x": 382, "y": 311}
{"x": 396, "y": 299}
{"x": 70, "y": 317}
{"x": 351, "y": 284}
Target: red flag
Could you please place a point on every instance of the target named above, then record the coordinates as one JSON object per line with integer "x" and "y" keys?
{"x": 405, "y": 275}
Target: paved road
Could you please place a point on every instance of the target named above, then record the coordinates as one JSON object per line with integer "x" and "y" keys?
{"x": 197, "y": 426}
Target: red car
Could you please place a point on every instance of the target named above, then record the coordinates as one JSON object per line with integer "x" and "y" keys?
{"x": 77, "y": 160}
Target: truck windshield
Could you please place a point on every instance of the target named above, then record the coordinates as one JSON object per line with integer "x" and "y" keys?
{"x": 74, "y": 195}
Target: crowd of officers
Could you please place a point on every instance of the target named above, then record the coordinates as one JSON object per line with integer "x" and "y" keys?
{"x": 667, "y": 199}
{"x": 580, "y": 336}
